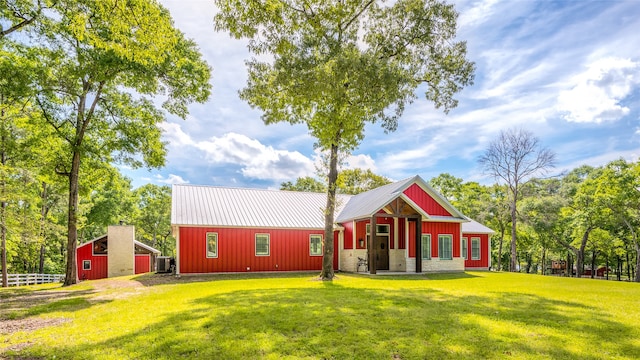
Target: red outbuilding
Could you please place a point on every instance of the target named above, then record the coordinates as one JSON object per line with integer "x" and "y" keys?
{"x": 114, "y": 254}
{"x": 221, "y": 229}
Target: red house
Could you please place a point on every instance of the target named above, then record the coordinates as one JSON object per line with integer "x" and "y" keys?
{"x": 221, "y": 229}
{"x": 114, "y": 254}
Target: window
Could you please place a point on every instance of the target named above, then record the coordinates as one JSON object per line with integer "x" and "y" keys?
{"x": 86, "y": 264}
{"x": 315, "y": 245}
{"x": 445, "y": 247}
{"x": 426, "y": 246}
{"x": 262, "y": 244}
{"x": 382, "y": 229}
{"x": 475, "y": 248}
{"x": 463, "y": 246}
{"x": 100, "y": 247}
{"x": 212, "y": 245}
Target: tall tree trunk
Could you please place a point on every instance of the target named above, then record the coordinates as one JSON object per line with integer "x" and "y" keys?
{"x": 544, "y": 260}
{"x": 580, "y": 252}
{"x": 619, "y": 269}
{"x": 637, "y": 246}
{"x": 3, "y": 235}
{"x": 512, "y": 263}
{"x": 43, "y": 217}
{"x": 3, "y": 202}
{"x": 72, "y": 227}
{"x": 606, "y": 270}
{"x": 327, "y": 257}
{"x": 500, "y": 248}
{"x": 593, "y": 264}
{"x": 628, "y": 265}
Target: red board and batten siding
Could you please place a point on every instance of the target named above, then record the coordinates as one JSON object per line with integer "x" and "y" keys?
{"x": 288, "y": 250}
{"x": 435, "y": 229}
{"x": 98, "y": 263}
{"x": 348, "y": 235}
{"x": 143, "y": 263}
{"x": 483, "y": 262}
{"x": 425, "y": 201}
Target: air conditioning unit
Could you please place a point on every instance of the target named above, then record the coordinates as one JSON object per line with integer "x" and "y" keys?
{"x": 163, "y": 264}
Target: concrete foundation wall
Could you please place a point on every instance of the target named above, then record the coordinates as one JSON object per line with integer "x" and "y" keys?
{"x": 121, "y": 258}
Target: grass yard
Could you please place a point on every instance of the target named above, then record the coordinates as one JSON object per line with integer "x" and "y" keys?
{"x": 473, "y": 315}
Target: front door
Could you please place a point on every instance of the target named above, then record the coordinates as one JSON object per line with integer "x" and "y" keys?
{"x": 382, "y": 252}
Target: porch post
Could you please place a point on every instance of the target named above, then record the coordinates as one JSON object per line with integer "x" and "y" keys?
{"x": 419, "y": 244}
{"x": 372, "y": 257}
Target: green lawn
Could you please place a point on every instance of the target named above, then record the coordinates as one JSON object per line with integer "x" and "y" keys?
{"x": 473, "y": 315}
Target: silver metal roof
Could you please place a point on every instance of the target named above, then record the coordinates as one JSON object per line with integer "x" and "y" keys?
{"x": 223, "y": 206}
{"x": 197, "y": 205}
{"x": 474, "y": 227}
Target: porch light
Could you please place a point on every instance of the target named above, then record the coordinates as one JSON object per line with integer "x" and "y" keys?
{"x": 361, "y": 242}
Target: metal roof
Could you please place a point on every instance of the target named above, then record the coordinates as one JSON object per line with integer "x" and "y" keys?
{"x": 368, "y": 203}
{"x": 222, "y": 206}
{"x": 198, "y": 205}
{"x": 474, "y": 227}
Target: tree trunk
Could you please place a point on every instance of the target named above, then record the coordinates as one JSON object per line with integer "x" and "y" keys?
{"x": 544, "y": 260}
{"x": 72, "y": 236}
{"x": 3, "y": 206}
{"x": 580, "y": 252}
{"x": 500, "y": 248}
{"x": 606, "y": 269}
{"x": 593, "y": 264}
{"x": 619, "y": 268}
{"x": 43, "y": 218}
{"x": 3, "y": 235}
{"x": 512, "y": 263}
{"x": 637, "y": 246}
{"x": 327, "y": 257}
{"x": 628, "y": 266}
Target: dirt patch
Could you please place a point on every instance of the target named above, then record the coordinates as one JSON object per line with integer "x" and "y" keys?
{"x": 29, "y": 324}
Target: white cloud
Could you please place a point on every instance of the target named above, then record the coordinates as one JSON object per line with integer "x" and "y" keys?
{"x": 360, "y": 161}
{"x": 171, "y": 179}
{"x": 174, "y": 134}
{"x": 257, "y": 160}
{"x": 595, "y": 94}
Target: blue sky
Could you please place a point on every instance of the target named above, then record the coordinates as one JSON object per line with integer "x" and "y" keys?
{"x": 568, "y": 71}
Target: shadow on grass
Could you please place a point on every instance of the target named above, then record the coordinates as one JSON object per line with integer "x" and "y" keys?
{"x": 163, "y": 279}
{"x": 23, "y": 304}
{"x": 340, "y": 322}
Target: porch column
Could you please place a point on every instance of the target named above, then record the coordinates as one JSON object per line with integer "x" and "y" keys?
{"x": 370, "y": 248}
{"x": 419, "y": 245}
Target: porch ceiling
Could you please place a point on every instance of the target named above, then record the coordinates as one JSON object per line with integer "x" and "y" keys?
{"x": 399, "y": 207}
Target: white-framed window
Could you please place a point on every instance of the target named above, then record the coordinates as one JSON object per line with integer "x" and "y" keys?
{"x": 86, "y": 264}
{"x": 475, "y": 248}
{"x": 426, "y": 246}
{"x": 212, "y": 245}
{"x": 382, "y": 229}
{"x": 315, "y": 245}
{"x": 463, "y": 247}
{"x": 262, "y": 244}
{"x": 445, "y": 247}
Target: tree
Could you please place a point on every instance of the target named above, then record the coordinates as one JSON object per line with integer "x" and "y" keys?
{"x": 514, "y": 157}
{"x": 356, "y": 181}
{"x": 103, "y": 62}
{"x": 153, "y": 217}
{"x": 618, "y": 190}
{"x": 306, "y": 183}
{"x": 448, "y": 186}
{"x": 336, "y": 65}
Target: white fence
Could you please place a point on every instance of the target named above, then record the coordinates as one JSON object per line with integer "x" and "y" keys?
{"x": 33, "y": 279}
